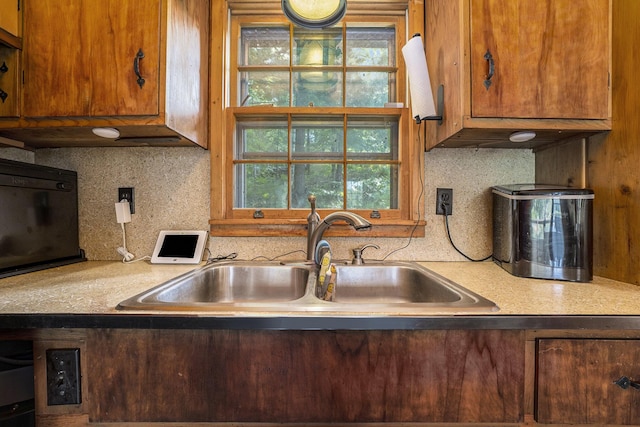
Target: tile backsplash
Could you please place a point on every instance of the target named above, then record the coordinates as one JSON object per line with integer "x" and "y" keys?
{"x": 172, "y": 192}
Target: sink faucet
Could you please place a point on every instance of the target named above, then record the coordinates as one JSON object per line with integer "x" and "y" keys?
{"x": 356, "y": 221}
{"x": 313, "y": 219}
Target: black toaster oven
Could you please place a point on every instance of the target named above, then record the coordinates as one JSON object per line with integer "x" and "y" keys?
{"x": 38, "y": 218}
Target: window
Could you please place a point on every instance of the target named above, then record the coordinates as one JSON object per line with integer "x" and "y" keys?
{"x": 270, "y": 172}
{"x": 308, "y": 113}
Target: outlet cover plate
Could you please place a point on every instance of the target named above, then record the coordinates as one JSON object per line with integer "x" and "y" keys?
{"x": 63, "y": 377}
{"x": 444, "y": 201}
{"x": 126, "y": 193}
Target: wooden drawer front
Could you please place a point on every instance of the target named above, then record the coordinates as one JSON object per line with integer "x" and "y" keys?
{"x": 305, "y": 376}
{"x": 576, "y": 381}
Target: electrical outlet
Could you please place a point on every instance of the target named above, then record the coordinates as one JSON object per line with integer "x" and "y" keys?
{"x": 444, "y": 201}
{"x": 63, "y": 377}
{"x": 126, "y": 193}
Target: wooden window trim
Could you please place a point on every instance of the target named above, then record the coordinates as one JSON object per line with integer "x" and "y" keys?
{"x": 226, "y": 221}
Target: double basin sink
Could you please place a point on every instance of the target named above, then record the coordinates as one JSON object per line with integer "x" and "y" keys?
{"x": 244, "y": 286}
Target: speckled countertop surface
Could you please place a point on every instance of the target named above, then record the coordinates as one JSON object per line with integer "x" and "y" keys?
{"x": 95, "y": 288}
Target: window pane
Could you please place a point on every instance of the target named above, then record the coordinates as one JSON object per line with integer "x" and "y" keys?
{"x": 264, "y": 46}
{"x": 372, "y": 140}
{"x": 323, "y": 180}
{"x": 317, "y": 138}
{"x": 264, "y": 87}
{"x": 261, "y": 185}
{"x": 372, "y": 186}
{"x": 317, "y": 88}
{"x": 368, "y": 88}
{"x": 371, "y": 47}
{"x": 317, "y": 48}
{"x": 317, "y": 73}
{"x": 261, "y": 140}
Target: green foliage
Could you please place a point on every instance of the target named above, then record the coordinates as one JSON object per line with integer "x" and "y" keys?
{"x": 313, "y": 159}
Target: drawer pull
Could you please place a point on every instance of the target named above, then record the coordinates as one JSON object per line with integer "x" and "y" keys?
{"x": 625, "y": 383}
{"x": 3, "y": 95}
{"x": 490, "y": 71}
{"x": 3, "y": 67}
{"x": 136, "y": 67}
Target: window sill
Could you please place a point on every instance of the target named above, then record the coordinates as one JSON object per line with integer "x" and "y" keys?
{"x": 293, "y": 228}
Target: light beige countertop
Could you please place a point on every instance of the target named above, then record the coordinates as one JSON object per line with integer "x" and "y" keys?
{"x": 96, "y": 287}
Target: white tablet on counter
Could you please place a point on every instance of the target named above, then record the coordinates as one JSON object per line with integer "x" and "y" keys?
{"x": 179, "y": 247}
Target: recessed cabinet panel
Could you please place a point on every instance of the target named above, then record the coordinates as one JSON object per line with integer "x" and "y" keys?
{"x": 577, "y": 381}
{"x": 9, "y": 104}
{"x": 82, "y": 58}
{"x": 10, "y": 17}
{"x": 540, "y": 59}
{"x": 305, "y": 376}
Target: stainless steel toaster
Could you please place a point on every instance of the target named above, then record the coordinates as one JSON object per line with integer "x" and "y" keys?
{"x": 543, "y": 231}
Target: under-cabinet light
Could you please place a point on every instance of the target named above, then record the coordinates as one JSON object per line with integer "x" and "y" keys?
{"x": 522, "y": 136}
{"x": 110, "y": 133}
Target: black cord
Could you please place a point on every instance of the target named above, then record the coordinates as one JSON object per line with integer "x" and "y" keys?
{"x": 278, "y": 256}
{"x": 219, "y": 258}
{"x": 446, "y": 222}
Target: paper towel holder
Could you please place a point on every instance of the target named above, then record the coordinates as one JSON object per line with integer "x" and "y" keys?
{"x": 439, "y": 108}
{"x": 421, "y": 64}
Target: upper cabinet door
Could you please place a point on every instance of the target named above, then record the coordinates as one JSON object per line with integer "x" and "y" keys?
{"x": 540, "y": 59}
{"x": 81, "y": 58}
{"x": 10, "y": 17}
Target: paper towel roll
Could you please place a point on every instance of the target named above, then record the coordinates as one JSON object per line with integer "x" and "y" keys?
{"x": 422, "y": 104}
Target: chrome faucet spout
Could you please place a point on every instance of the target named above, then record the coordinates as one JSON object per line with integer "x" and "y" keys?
{"x": 313, "y": 219}
{"x": 354, "y": 220}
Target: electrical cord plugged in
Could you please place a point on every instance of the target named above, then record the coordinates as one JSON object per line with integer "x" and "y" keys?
{"x": 126, "y": 256}
{"x": 123, "y": 212}
{"x": 444, "y": 201}
{"x": 446, "y": 221}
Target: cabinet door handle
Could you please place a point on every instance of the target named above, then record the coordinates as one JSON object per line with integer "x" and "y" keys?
{"x": 625, "y": 383}
{"x": 3, "y": 67}
{"x": 3, "y": 95}
{"x": 491, "y": 69}
{"x": 136, "y": 67}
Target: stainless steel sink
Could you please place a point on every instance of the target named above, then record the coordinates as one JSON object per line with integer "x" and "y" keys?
{"x": 392, "y": 284}
{"x": 242, "y": 286}
{"x": 238, "y": 283}
{"x": 225, "y": 284}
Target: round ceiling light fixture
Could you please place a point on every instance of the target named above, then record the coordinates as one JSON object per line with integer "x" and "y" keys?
{"x": 314, "y": 13}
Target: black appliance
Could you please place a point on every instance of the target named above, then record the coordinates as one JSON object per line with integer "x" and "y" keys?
{"x": 17, "y": 404}
{"x": 38, "y": 218}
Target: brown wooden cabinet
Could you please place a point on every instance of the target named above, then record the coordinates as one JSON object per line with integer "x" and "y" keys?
{"x": 10, "y": 43}
{"x": 422, "y": 377}
{"x": 577, "y": 381}
{"x": 242, "y": 376}
{"x": 9, "y": 82}
{"x": 141, "y": 67}
{"x": 509, "y": 65}
{"x": 10, "y": 22}
{"x": 79, "y": 58}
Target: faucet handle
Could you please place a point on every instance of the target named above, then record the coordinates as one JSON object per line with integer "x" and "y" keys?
{"x": 357, "y": 253}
